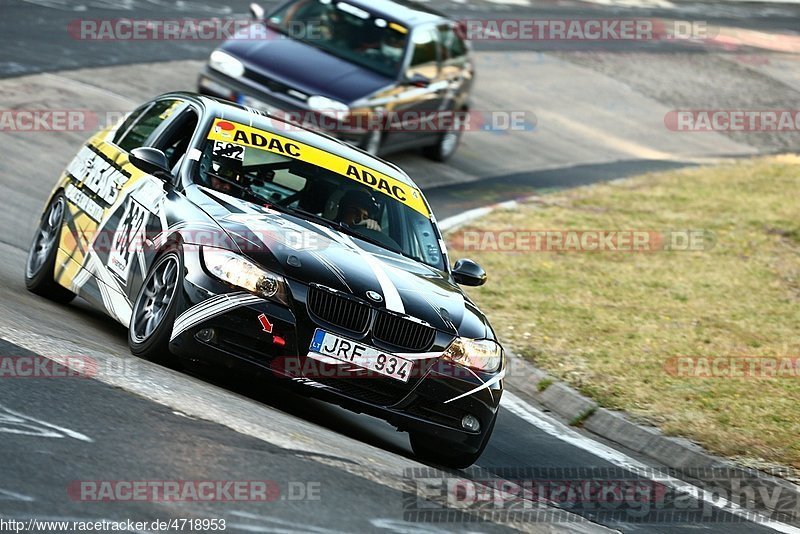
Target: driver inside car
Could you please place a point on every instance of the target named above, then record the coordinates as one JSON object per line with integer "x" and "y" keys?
{"x": 392, "y": 46}
{"x": 358, "y": 208}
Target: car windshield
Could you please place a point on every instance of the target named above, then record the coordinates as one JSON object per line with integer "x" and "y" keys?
{"x": 264, "y": 168}
{"x": 346, "y": 31}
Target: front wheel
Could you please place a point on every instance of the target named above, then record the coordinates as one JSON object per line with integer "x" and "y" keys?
{"x": 41, "y": 263}
{"x": 373, "y": 142}
{"x": 447, "y": 144}
{"x": 154, "y": 310}
{"x": 430, "y": 449}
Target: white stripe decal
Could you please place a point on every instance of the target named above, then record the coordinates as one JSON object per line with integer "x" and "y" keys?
{"x": 485, "y": 385}
{"x": 389, "y": 290}
{"x": 333, "y": 268}
{"x": 230, "y": 200}
{"x": 211, "y": 308}
{"x": 197, "y": 309}
{"x": 211, "y": 313}
{"x": 205, "y": 307}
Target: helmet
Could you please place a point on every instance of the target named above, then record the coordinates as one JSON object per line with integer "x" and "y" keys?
{"x": 358, "y": 198}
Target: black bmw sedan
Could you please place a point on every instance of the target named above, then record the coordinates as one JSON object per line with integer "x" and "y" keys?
{"x": 215, "y": 232}
{"x": 379, "y": 74}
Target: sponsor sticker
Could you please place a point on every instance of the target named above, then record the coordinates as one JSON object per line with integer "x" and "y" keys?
{"x": 247, "y": 136}
{"x": 127, "y": 239}
{"x": 266, "y": 324}
{"x": 224, "y": 149}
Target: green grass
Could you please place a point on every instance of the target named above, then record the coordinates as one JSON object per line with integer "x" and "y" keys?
{"x": 543, "y": 384}
{"x": 608, "y": 322}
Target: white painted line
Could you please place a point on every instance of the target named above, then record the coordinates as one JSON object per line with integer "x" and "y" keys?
{"x": 17, "y": 419}
{"x": 559, "y": 430}
{"x": 450, "y": 223}
{"x": 8, "y": 495}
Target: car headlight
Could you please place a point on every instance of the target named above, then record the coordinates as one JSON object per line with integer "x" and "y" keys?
{"x": 226, "y": 64}
{"x": 481, "y": 354}
{"x": 241, "y": 272}
{"x": 329, "y": 107}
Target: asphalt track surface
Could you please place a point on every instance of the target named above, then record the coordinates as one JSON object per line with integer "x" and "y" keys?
{"x": 336, "y": 471}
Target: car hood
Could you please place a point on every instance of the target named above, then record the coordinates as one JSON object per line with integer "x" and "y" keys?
{"x": 305, "y": 67}
{"x": 312, "y": 253}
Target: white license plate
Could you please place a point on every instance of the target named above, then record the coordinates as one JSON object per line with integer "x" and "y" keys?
{"x": 349, "y": 351}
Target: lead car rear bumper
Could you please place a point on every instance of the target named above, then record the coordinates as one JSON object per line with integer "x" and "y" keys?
{"x": 433, "y": 404}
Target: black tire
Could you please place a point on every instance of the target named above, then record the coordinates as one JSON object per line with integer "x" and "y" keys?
{"x": 41, "y": 262}
{"x": 154, "y": 310}
{"x": 439, "y": 452}
{"x": 373, "y": 142}
{"x": 446, "y": 145}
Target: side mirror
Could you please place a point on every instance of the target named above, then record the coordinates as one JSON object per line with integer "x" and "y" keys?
{"x": 418, "y": 80}
{"x": 468, "y": 273}
{"x": 257, "y": 11}
{"x": 152, "y": 161}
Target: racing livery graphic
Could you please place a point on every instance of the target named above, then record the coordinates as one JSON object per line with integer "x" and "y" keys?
{"x": 215, "y": 232}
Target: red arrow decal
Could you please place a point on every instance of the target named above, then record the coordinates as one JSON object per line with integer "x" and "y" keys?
{"x": 265, "y": 324}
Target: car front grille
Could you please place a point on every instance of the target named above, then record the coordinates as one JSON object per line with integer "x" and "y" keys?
{"x": 403, "y": 333}
{"x": 338, "y": 310}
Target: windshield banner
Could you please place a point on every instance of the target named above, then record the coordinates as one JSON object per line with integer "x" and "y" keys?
{"x": 240, "y": 134}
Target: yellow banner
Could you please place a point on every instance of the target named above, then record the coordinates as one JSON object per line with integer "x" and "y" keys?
{"x": 240, "y": 134}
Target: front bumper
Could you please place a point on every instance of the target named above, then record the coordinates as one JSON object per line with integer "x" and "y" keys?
{"x": 250, "y": 93}
{"x": 434, "y": 401}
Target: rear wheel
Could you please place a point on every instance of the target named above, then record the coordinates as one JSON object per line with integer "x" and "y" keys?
{"x": 154, "y": 310}
{"x": 448, "y": 142}
{"x": 40, "y": 266}
{"x": 437, "y": 451}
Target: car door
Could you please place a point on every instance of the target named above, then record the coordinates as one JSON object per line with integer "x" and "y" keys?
{"x": 457, "y": 68}
{"x": 421, "y": 94}
{"x": 113, "y": 208}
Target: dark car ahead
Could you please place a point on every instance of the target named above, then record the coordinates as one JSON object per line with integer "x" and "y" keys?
{"x": 216, "y": 232}
{"x": 378, "y": 74}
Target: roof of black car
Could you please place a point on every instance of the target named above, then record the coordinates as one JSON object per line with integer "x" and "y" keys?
{"x": 234, "y": 112}
{"x": 405, "y": 12}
